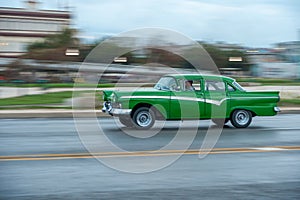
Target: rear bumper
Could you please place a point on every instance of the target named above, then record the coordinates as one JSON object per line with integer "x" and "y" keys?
{"x": 277, "y": 109}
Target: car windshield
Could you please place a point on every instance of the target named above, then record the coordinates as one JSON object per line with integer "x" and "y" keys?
{"x": 166, "y": 83}
{"x": 238, "y": 86}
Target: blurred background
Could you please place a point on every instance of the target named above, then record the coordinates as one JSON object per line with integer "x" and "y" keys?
{"x": 43, "y": 43}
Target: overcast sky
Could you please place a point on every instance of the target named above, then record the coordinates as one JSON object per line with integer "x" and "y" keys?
{"x": 254, "y": 23}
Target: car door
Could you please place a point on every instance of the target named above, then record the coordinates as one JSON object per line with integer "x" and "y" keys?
{"x": 216, "y": 99}
{"x": 188, "y": 104}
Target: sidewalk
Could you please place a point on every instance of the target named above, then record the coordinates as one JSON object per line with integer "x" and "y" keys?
{"x": 68, "y": 113}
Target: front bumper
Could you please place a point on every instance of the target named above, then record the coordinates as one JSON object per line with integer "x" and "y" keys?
{"x": 119, "y": 111}
{"x": 108, "y": 108}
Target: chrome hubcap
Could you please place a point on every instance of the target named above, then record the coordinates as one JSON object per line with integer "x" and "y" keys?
{"x": 242, "y": 117}
{"x": 143, "y": 118}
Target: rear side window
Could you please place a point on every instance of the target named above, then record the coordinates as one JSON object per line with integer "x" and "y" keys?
{"x": 214, "y": 86}
{"x": 230, "y": 88}
{"x": 197, "y": 85}
{"x": 238, "y": 86}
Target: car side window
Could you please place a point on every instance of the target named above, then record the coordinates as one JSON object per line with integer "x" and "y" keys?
{"x": 172, "y": 84}
{"x": 181, "y": 83}
{"x": 190, "y": 85}
{"x": 214, "y": 86}
{"x": 167, "y": 84}
{"x": 197, "y": 85}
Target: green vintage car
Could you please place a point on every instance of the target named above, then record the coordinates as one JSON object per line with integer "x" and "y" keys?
{"x": 190, "y": 97}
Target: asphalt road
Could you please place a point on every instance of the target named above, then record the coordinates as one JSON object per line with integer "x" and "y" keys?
{"x": 45, "y": 159}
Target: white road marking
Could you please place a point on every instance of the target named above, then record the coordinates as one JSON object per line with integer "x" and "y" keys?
{"x": 269, "y": 149}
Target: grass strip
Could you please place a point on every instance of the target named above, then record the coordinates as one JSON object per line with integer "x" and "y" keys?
{"x": 56, "y": 85}
{"x": 48, "y": 98}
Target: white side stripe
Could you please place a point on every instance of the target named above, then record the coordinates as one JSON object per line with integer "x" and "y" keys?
{"x": 145, "y": 97}
{"x": 215, "y": 102}
{"x": 210, "y": 101}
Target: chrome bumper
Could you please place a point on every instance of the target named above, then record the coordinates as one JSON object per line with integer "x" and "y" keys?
{"x": 119, "y": 111}
{"x": 107, "y": 108}
{"x": 277, "y": 109}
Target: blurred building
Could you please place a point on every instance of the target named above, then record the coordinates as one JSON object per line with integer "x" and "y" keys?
{"x": 279, "y": 62}
{"x": 20, "y": 27}
{"x": 277, "y": 70}
{"x": 261, "y": 55}
{"x": 228, "y": 47}
{"x": 289, "y": 51}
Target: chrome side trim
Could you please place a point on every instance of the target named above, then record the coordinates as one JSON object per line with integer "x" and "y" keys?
{"x": 145, "y": 97}
{"x": 210, "y": 101}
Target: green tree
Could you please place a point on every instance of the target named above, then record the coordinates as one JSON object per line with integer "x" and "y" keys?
{"x": 63, "y": 39}
{"x": 54, "y": 47}
{"x": 221, "y": 57}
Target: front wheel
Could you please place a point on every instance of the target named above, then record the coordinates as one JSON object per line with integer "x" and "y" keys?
{"x": 143, "y": 118}
{"x": 241, "y": 118}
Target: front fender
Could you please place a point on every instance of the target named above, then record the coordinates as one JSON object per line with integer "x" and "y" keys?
{"x": 162, "y": 108}
{"x": 107, "y": 94}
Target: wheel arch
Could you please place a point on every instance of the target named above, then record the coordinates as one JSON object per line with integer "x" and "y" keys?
{"x": 156, "y": 108}
{"x": 238, "y": 108}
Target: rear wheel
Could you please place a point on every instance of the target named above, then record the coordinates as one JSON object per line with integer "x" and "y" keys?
{"x": 143, "y": 118}
{"x": 241, "y": 118}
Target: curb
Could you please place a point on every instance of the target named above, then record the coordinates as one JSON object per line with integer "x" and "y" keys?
{"x": 20, "y": 114}
{"x": 289, "y": 112}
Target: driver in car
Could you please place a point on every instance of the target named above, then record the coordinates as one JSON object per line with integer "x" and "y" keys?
{"x": 189, "y": 85}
